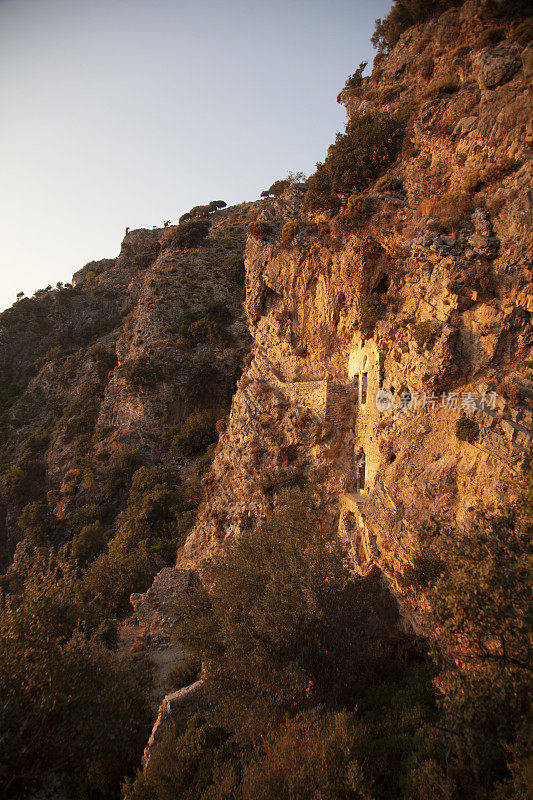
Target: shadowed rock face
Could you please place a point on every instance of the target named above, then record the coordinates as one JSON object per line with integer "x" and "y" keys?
{"x": 450, "y": 258}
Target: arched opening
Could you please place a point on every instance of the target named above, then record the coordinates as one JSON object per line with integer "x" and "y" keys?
{"x": 360, "y": 468}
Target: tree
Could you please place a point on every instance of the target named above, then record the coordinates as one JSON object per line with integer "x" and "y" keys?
{"x": 476, "y": 584}
{"x": 371, "y": 143}
{"x": 38, "y": 522}
{"x": 71, "y": 709}
{"x": 281, "y": 622}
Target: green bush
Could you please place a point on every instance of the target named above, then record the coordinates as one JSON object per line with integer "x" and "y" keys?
{"x": 472, "y": 183}
{"x": 425, "y": 333}
{"x": 466, "y": 430}
{"x": 371, "y": 143}
{"x": 186, "y": 766}
{"x": 234, "y": 266}
{"x": 274, "y": 482}
{"x": 189, "y": 234}
{"x": 259, "y": 229}
{"x": 113, "y": 576}
{"x": 281, "y": 623}
{"x": 72, "y": 710}
{"x": 207, "y": 324}
{"x": 88, "y": 543}
{"x": 197, "y": 432}
{"x": 203, "y": 383}
{"x": 25, "y": 480}
{"x": 38, "y": 523}
{"x": 388, "y": 183}
{"x": 141, "y": 372}
{"x": 523, "y": 33}
{"x": 118, "y": 474}
{"x": 489, "y": 37}
{"x": 289, "y": 231}
{"x": 278, "y": 187}
{"x": 403, "y": 15}
{"x": 390, "y": 93}
{"x": 479, "y": 611}
{"x": 440, "y": 86}
{"x": 372, "y": 310}
{"x": 355, "y": 80}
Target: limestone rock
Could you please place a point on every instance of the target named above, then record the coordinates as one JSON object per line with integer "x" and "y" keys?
{"x": 496, "y": 66}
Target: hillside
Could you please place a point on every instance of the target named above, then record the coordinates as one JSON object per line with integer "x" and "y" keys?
{"x": 274, "y": 458}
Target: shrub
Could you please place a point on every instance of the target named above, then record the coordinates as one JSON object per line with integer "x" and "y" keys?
{"x": 88, "y": 543}
{"x": 259, "y": 229}
{"x": 466, "y": 430}
{"x": 289, "y": 231}
{"x": 217, "y": 205}
{"x": 25, "y": 480}
{"x": 372, "y": 310}
{"x": 371, "y": 143}
{"x": 274, "y": 482}
{"x": 281, "y": 609}
{"x": 425, "y": 333}
{"x": 187, "y": 235}
{"x": 203, "y": 382}
{"x": 37, "y": 522}
{"x": 358, "y": 207}
{"x": 388, "y": 183}
{"x": 187, "y": 766}
{"x": 234, "y": 266}
{"x": 118, "y": 474}
{"x": 197, "y": 432}
{"x": 112, "y": 577}
{"x": 71, "y": 709}
{"x": 479, "y": 606}
{"x": 141, "y": 372}
{"x": 403, "y": 15}
{"x": 390, "y": 93}
{"x": 355, "y": 80}
{"x": 472, "y": 183}
{"x": 451, "y": 209}
{"x": 523, "y": 33}
{"x": 440, "y": 86}
{"x": 278, "y": 187}
{"x": 183, "y": 673}
{"x": 208, "y": 324}
{"x": 489, "y": 37}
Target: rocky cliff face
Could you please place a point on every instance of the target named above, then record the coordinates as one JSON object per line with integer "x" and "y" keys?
{"x": 114, "y": 363}
{"x": 426, "y": 299}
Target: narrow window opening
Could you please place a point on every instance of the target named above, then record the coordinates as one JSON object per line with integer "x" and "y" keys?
{"x": 360, "y": 470}
{"x": 364, "y": 387}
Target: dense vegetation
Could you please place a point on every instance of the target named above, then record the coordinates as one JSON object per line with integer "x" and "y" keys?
{"x": 406, "y": 13}
{"x": 311, "y": 699}
{"x": 289, "y": 642}
{"x": 359, "y": 156}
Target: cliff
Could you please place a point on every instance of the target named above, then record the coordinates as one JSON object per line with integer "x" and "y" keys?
{"x": 425, "y": 295}
{"x": 113, "y": 364}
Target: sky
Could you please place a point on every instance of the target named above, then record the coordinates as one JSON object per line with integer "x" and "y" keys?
{"x": 120, "y": 113}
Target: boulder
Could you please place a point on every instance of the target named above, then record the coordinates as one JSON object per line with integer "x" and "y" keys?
{"x": 496, "y": 66}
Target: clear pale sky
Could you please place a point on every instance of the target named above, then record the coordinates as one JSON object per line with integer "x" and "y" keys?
{"x": 123, "y": 113}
